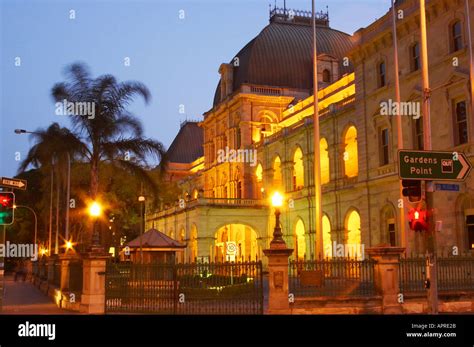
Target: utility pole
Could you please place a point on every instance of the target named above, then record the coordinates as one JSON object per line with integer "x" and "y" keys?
{"x": 430, "y": 234}
{"x": 316, "y": 159}
{"x": 403, "y": 232}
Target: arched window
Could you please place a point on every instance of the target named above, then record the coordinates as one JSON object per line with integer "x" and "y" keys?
{"x": 298, "y": 170}
{"x": 381, "y": 73}
{"x": 194, "y": 196}
{"x": 351, "y": 159}
{"x": 300, "y": 240}
{"x": 277, "y": 177}
{"x": 326, "y": 76}
{"x": 327, "y": 242}
{"x": 193, "y": 244}
{"x": 324, "y": 158}
{"x": 415, "y": 57}
{"x": 352, "y": 228}
{"x": 456, "y": 36}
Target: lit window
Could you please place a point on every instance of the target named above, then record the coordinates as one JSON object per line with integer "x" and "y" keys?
{"x": 298, "y": 170}
{"x": 351, "y": 160}
{"x": 415, "y": 57}
{"x": 460, "y": 119}
{"x": 259, "y": 173}
{"x": 327, "y": 242}
{"x": 323, "y": 149}
{"x": 384, "y": 147}
{"x": 456, "y": 36}
{"x": 381, "y": 74}
{"x": 352, "y": 232}
{"x": 300, "y": 240}
{"x": 391, "y": 233}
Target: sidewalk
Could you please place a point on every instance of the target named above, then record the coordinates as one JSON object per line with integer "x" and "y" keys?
{"x": 23, "y": 298}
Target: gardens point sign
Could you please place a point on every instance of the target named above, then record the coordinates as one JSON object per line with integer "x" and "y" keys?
{"x": 431, "y": 165}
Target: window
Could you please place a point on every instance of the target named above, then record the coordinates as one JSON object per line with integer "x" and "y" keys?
{"x": 350, "y": 156}
{"x": 418, "y": 134}
{"x": 259, "y": 178}
{"x": 456, "y": 36}
{"x": 384, "y": 147}
{"x": 300, "y": 241}
{"x": 391, "y": 233}
{"x": 327, "y": 243}
{"x": 326, "y": 76}
{"x": 239, "y": 190}
{"x": 323, "y": 149}
{"x": 381, "y": 74}
{"x": 415, "y": 57}
{"x": 352, "y": 234}
{"x": 298, "y": 170}
{"x": 460, "y": 123}
{"x": 470, "y": 231}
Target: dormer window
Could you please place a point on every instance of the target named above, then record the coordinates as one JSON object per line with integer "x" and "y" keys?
{"x": 227, "y": 79}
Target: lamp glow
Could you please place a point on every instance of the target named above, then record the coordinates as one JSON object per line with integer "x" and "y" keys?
{"x": 95, "y": 209}
{"x": 277, "y": 199}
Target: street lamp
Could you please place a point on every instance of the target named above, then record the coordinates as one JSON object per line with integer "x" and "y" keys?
{"x": 277, "y": 202}
{"x": 95, "y": 211}
{"x": 34, "y": 214}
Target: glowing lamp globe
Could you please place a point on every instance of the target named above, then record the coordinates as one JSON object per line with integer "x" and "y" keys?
{"x": 95, "y": 209}
{"x": 277, "y": 199}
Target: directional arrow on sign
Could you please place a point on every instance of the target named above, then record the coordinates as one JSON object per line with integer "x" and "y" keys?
{"x": 15, "y": 183}
{"x": 433, "y": 165}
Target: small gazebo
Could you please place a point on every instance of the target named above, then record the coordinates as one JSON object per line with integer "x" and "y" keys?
{"x": 156, "y": 247}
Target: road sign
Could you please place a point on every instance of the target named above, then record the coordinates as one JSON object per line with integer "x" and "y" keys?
{"x": 231, "y": 248}
{"x": 14, "y": 183}
{"x": 433, "y": 165}
{"x": 447, "y": 187}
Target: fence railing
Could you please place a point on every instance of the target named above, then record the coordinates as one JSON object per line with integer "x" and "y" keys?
{"x": 197, "y": 288}
{"x": 455, "y": 273}
{"x": 332, "y": 277}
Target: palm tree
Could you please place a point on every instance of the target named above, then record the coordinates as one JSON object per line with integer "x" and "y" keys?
{"x": 114, "y": 135}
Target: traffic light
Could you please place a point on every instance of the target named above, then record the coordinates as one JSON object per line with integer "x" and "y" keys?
{"x": 417, "y": 219}
{"x": 7, "y": 201}
{"x": 412, "y": 190}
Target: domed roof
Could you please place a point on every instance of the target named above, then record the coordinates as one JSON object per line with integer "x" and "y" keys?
{"x": 281, "y": 55}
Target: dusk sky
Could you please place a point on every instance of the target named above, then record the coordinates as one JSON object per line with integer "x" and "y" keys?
{"x": 177, "y": 59}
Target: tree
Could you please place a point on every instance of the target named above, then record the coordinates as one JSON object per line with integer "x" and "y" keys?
{"x": 113, "y": 135}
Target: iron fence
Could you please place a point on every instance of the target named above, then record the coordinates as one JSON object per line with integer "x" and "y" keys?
{"x": 196, "y": 288}
{"x": 455, "y": 273}
{"x": 332, "y": 277}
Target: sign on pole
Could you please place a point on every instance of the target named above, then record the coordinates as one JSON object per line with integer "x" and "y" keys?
{"x": 231, "y": 250}
{"x": 432, "y": 165}
{"x": 14, "y": 183}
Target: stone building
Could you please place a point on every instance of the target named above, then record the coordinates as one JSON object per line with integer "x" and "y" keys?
{"x": 257, "y": 138}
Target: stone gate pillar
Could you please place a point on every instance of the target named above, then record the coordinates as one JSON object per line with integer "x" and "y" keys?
{"x": 93, "y": 286}
{"x": 387, "y": 276}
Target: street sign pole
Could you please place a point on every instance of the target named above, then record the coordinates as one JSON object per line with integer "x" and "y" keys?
{"x": 430, "y": 235}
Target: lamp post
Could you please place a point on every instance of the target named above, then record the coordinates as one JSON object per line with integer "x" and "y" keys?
{"x": 141, "y": 199}
{"x": 36, "y": 218}
{"x": 95, "y": 211}
{"x": 277, "y": 202}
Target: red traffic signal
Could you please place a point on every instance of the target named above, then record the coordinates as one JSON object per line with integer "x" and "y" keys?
{"x": 7, "y": 202}
{"x": 417, "y": 219}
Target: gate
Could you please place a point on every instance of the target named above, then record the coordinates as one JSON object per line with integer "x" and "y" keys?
{"x": 195, "y": 288}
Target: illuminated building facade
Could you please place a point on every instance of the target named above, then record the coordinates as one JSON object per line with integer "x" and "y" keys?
{"x": 263, "y": 107}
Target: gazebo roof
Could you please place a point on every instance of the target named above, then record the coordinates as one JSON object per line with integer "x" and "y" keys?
{"x": 155, "y": 239}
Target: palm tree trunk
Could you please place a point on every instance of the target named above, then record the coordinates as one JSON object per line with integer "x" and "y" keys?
{"x": 94, "y": 177}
